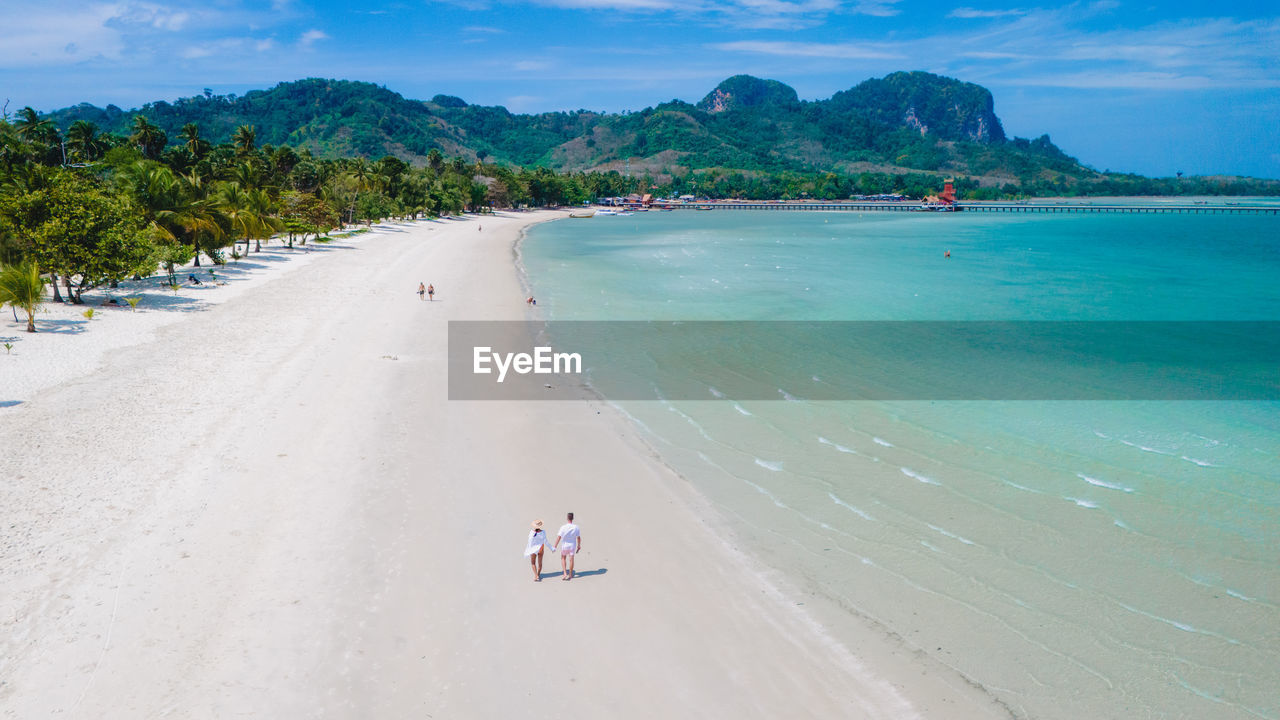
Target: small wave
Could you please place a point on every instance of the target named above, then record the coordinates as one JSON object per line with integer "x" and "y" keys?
{"x": 1082, "y": 503}
{"x": 1239, "y": 596}
{"x": 774, "y": 466}
{"x": 931, "y": 546}
{"x": 917, "y": 476}
{"x": 1103, "y": 483}
{"x": 856, "y": 511}
{"x": 1012, "y": 484}
{"x": 950, "y": 534}
{"x": 1121, "y": 524}
{"x": 787, "y": 396}
{"x": 716, "y": 393}
{"x": 741, "y": 409}
{"x": 1102, "y": 435}
{"x": 1184, "y": 627}
{"x": 837, "y": 446}
{"x": 758, "y": 488}
{"x": 1201, "y": 463}
{"x": 1144, "y": 448}
{"x": 879, "y": 441}
{"x": 690, "y": 420}
{"x": 631, "y": 418}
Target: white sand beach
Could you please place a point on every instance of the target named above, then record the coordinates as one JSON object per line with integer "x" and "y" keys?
{"x": 266, "y": 506}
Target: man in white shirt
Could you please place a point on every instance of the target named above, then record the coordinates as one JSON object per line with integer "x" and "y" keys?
{"x": 571, "y": 536}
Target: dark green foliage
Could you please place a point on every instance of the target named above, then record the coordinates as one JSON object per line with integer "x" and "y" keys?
{"x": 746, "y": 122}
{"x": 745, "y": 91}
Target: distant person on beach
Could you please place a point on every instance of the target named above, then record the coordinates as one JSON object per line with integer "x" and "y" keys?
{"x": 571, "y": 536}
{"x": 431, "y": 292}
{"x": 534, "y": 548}
{"x": 422, "y": 291}
{"x": 531, "y": 301}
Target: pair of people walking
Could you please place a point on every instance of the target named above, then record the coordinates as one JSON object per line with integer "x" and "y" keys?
{"x": 568, "y": 542}
{"x": 426, "y": 290}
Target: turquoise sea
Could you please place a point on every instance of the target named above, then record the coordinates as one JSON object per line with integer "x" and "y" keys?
{"x": 1077, "y": 559}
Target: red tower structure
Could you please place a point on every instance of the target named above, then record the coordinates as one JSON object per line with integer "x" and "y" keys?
{"x": 948, "y": 195}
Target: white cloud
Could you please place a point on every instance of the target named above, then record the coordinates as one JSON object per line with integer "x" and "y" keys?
{"x": 312, "y": 36}
{"x": 1097, "y": 79}
{"x": 840, "y": 51}
{"x": 969, "y": 13}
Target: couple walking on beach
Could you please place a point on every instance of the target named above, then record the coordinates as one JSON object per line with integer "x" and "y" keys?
{"x": 568, "y": 542}
{"x": 425, "y": 290}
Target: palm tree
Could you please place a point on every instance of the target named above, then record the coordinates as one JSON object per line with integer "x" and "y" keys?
{"x": 149, "y": 138}
{"x": 361, "y": 172}
{"x": 245, "y": 139}
{"x": 82, "y": 139}
{"x": 261, "y": 204}
{"x": 40, "y": 135}
{"x": 173, "y": 204}
{"x": 237, "y": 206}
{"x": 30, "y": 126}
{"x": 192, "y": 141}
{"x": 246, "y": 175}
{"x": 21, "y": 286}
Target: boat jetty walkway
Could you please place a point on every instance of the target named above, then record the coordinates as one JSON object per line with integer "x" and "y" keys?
{"x": 1012, "y": 207}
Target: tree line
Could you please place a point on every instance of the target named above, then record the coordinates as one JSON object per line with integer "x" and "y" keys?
{"x": 85, "y": 207}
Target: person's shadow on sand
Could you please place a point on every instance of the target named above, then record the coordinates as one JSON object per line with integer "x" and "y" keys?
{"x": 576, "y": 575}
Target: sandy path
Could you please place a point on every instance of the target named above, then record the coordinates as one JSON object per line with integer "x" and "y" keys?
{"x": 271, "y": 510}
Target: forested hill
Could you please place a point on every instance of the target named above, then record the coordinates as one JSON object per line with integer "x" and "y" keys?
{"x": 902, "y": 122}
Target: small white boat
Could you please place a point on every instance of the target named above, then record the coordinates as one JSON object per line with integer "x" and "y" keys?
{"x": 582, "y": 213}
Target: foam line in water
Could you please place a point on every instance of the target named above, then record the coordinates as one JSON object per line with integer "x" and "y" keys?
{"x": 1144, "y": 448}
{"x": 688, "y": 419}
{"x": 716, "y": 393}
{"x": 741, "y": 410}
{"x": 1013, "y": 484}
{"x": 1103, "y": 483}
{"x": 758, "y": 488}
{"x": 1201, "y": 463}
{"x": 879, "y": 441}
{"x": 950, "y": 534}
{"x": 856, "y": 511}
{"x": 837, "y": 446}
{"x": 631, "y": 418}
{"x": 774, "y": 466}
{"x": 787, "y": 396}
{"x": 1215, "y": 699}
{"x": 1082, "y": 503}
{"x": 1184, "y": 627}
{"x": 917, "y": 476}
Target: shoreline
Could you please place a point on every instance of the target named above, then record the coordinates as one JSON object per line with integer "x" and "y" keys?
{"x": 272, "y": 507}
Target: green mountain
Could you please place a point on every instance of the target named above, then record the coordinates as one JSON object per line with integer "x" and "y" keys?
{"x": 903, "y": 122}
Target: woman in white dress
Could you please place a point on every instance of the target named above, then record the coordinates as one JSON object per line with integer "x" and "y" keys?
{"x": 533, "y": 550}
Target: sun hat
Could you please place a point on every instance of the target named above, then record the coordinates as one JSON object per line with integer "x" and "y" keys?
{"x": 537, "y": 524}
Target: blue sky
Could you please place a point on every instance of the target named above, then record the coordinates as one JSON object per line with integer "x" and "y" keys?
{"x": 1136, "y": 86}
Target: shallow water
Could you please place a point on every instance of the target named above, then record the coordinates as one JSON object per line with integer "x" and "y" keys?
{"x": 1077, "y": 559}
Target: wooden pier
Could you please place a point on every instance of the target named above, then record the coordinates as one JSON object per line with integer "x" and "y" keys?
{"x": 984, "y": 207}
